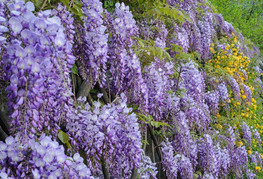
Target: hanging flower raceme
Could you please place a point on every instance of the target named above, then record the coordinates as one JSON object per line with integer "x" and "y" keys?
{"x": 246, "y": 133}
{"x": 235, "y": 88}
{"x": 175, "y": 165}
{"x": 206, "y": 36}
{"x": 169, "y": 162}
{"x": 67, "y": 21}
{"x": 94, "y": 43}
{"x": 239, "y": 160}
{"x": 43, "y": 158}
{"x": 193, "y": 81}
{"x": 158, "y": 83}
{"x": 147, "y": 169}
{"x": 183, "y": 142}
{"x": 125, "y": 67}
{"x": 161, "y": 35}
{"x": 247, "y": 95}
{"x": 36, "y": 66}
{"x": 107, "y": 134}
{"x": 223, "y": 93}
{"x": 257, "y": 136}
{"x": 212, "y": 100}
{"x": 208, "y": 160}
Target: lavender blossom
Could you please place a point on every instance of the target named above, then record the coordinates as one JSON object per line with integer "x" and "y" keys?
{"x": 247, "y": 92}
{"x": 246, "y": 133}
{"x": 235, "y": 88}
{"x": 193, "y": 81}
{"x": 212, "y": 100}
{"x": 107, "y": 131}
{"x": 42, "y": 159}
{"x": 223, "y": 92}
{"x": 94, "y": 42}
{"x": 257, "y": 136}
{"x": 169, "y": 162}
{"x": 147, "y": 169}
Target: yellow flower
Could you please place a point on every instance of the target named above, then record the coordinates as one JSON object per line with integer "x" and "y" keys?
{"x": 240, "y": 144}
{"x": 243, "y": 96}
{"x": 219, "y": 126}
{"x": 238, "y": 103}
{"x": 258, "y": 168}
{"x": 249, "y": 152}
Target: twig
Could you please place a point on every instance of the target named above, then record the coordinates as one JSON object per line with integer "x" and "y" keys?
{"x": 44, "y": 4}
{"x": 153, "y": 153}
{"x": 155, "y": 142}
{"x": 134, "y": 173}
{"x": 144, "y": 145}
{"x": 105, "y": 168}
{"x": 84, "y": 89}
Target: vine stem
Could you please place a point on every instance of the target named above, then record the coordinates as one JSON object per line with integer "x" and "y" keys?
{"x": 43, "y": 5}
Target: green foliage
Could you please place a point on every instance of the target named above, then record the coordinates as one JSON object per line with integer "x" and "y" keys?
{"x": 64, "y": 138}
{"x": 147, "y": 51}
{"x": 157, "y": 9}
{"x": 74, "y": 69}
{"x": 246, "y": 15}
{"x": 74, "y": 6}
{"x": 148, "y": 119}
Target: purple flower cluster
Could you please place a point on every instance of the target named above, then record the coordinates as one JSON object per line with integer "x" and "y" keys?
{"x": 3, "y": 23}
{"x": 193, "y": 81}
{"x": 212, "y": 100}
{"x": 208, "y": 160}
{"x": 44, "y": 158}
{"x": 161, "y": 35}
{"x": 147, "y": 169}
{"x": 158, "y": 83}
{"x": 183, "y": 142}
{"x": 247, "y": 92}
{"x": 246, "y": 133}
{"x": 95, "y": 42}
{"x": 235, "y": 88}
{"x": 67, "y": 20}
{"x": 223, "y": 92}
{"x": 36, "y": 63}
{"x": 182, "y": 38}
{"x": 107, "y": 133}
{"x": 125, "y": 67}
{"x": 175, "y": 165}
{"x": 239, "y": 160}
{"x": 169, "y": 162}
{"x": 206, "y": 36}
{"x": 257, "y": 136}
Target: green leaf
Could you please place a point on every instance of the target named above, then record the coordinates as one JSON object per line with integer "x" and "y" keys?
{"x": 65, "y": 2}
{"x": 145, "y": 142}
{"x": 63, "y": 137}
{"x": 176, "y": 48}
{"x": 74, "y": 69}
{"x": 38, "y": 3}
{"x": 170, "y": 91}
